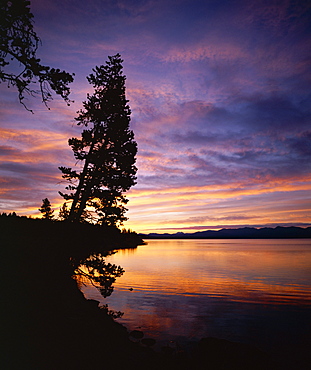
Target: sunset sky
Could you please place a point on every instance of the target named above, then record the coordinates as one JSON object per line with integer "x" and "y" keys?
{"x": 220, "y": 93}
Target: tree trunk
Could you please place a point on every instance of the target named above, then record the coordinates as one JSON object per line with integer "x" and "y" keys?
{"x": 73, "y": 215}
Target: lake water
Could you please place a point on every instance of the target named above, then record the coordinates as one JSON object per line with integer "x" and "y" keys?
{"x": 251, "y": 291}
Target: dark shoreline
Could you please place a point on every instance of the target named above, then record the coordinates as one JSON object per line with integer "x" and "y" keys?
{"x": 48, "y": 324}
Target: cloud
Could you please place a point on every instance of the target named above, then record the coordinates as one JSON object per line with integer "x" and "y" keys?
{"x": 8, "y": 151}
{"x": 220, "y": 98}
{"x": 300, "y": 145}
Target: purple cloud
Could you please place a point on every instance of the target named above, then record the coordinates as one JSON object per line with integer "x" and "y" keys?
{"x": 220, "y": 96}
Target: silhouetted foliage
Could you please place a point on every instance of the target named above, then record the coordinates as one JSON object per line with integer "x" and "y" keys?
{"x": 63, "y": 212}
{"x": 18, "y": 47}
{"x": 99, "y": 273}
{"x": 46, "y": 209}
{"x": 11, "y": 214}
{"x": 112, "y": 313}
{"x": 107, "y": 148}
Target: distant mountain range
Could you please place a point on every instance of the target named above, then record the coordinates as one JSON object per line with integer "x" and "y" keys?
{"x": 278, "y": 232}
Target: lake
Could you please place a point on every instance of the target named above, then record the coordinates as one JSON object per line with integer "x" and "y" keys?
{"x": 250, "y": 291}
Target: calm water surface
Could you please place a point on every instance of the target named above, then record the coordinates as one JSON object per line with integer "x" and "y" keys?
{"x": 252, "y": 291}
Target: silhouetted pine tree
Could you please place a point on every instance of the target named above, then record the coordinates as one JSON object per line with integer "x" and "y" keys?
{"x": 107, "y": 148}
{"x": 46, "y": 209}
{"x": 19, "y": 43}
{"x": 63, "y": 212}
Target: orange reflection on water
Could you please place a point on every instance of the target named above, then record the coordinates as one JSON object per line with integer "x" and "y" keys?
{"x": 246, "y": 271}
{"x": 241, "y": 290}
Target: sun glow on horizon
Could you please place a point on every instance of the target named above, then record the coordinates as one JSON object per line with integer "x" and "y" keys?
{"x": 221, "y": 117}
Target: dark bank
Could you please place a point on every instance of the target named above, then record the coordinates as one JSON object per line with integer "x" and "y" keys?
{"x": 48, "y": 324}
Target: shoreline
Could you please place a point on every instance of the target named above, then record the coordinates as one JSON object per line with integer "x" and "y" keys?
{"x": 50, "y": 325}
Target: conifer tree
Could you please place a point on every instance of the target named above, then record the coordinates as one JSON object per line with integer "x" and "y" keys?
{"x": 63, "y": 213}
{"x": 106, "y": 148}
{"x": 46, "y": 209}
{"x": 19, "y": 43}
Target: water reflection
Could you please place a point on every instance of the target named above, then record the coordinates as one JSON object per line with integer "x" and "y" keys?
{"x": 95, "y": 271}
{"x": 255, "y": 291}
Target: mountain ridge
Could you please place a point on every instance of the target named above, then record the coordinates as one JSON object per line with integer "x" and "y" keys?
{"x": 279, "y": 232}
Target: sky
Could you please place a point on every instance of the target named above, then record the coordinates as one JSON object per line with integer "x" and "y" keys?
{"x": 220, "y": 94}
